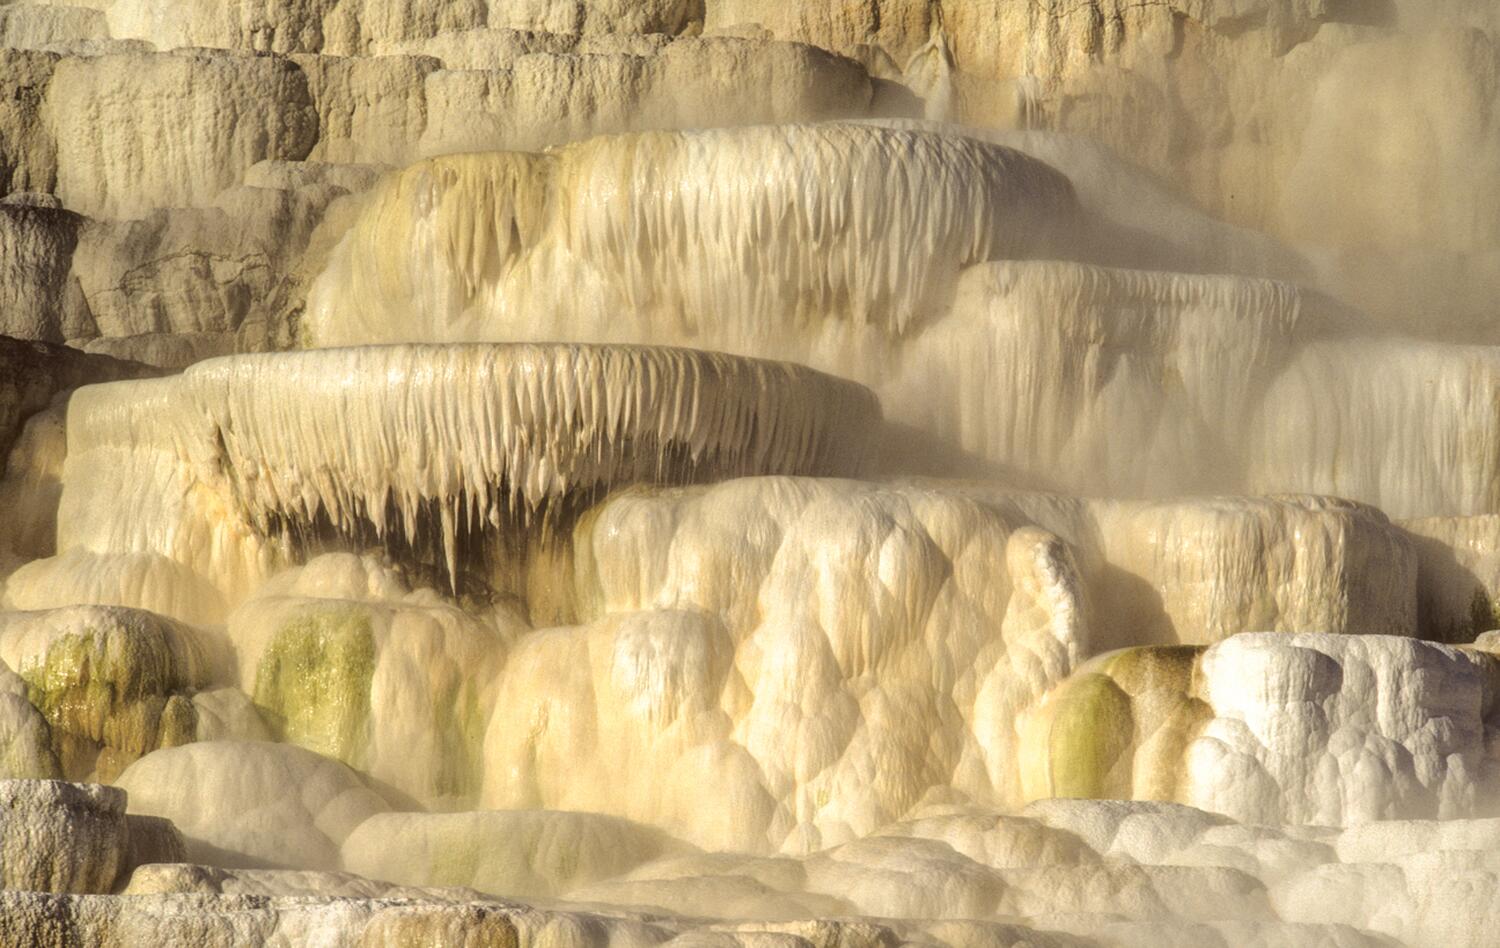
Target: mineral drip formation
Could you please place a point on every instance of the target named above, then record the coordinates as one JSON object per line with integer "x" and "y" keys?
{"x": 907, "y": 258}
{"x": 236, "y": 453}
{"x": 735, "y": 236}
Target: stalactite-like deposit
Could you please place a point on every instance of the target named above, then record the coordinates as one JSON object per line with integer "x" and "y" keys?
{"x": 230, "y": 464}
{"x": 899, "y": 257}
{"x": 731, "y": 238}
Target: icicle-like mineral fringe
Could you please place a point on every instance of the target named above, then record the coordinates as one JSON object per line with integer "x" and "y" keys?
{"x": 742, "y": 235}
{"x": 204, "y": 467}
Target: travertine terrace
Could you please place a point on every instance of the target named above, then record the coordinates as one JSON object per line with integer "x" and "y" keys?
{"x": 749, "y": 473}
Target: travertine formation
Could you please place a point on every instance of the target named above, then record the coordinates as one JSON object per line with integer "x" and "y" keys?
{"x": 749, "y": 473}
{"x": 656, "y": 228}
{"x": 1231, "y": 728}
{"x": 1091, "y": 873}
{"x": 113, "y": 683}
{"x": 443, "y": 451}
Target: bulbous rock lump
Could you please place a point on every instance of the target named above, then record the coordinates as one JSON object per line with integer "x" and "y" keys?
{"x": 62, "y": 837}
{"x": 113, "y": 683}
{"x": 252, "y": 803}
{"x": 1304, "y": 729}
{"x": 342, "y": 658}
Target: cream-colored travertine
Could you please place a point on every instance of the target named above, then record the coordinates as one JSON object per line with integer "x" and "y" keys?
{"x": 253, "y": 804}
{"x": 526, "y": 578}
{"x": 689, "y": 593}
{"x": 899, "y": 273}
{"x": 1060, "y": 872}
{"x": 523, "y": 853}
{"x": 740, "y": 650}
{"x": 736, "y": 238}
{"x": 238, "y": 463}
{"x": 1305, "y": 728}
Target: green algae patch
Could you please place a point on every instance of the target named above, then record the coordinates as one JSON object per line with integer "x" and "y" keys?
{"x": 110, "y": 696}
{"x": 314, "y": 683}
{"x": 1118, "y": 728}
{"x": 1090, "y": 738}
{"x": 1161, "y": 683}
{"x": 1148, "y": 669}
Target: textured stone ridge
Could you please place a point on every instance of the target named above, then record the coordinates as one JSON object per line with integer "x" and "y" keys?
{"x": 912, "y": 267}
{"x": 62, "y": 837}
{"x": 697, "y": 239}
{"x": 32, "y": 373}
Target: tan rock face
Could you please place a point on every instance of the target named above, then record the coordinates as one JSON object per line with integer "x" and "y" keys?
{"x": 48, "y": 26}
{"x": 347, "y": 27}
{"x": 548, "y": 98}
{"x": 370, "y": 110}
{"x": 28, "y": 156}
{"x": 36, "y": 252}
{"x": 62, "y": 837}
{"x": 211, "y": 280}
{"x": 182, "y": 263}
{"x": 111, "y": 118}
{"x": 32, "y": 373}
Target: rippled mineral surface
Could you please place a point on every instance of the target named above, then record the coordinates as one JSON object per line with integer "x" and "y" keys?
{"x": 749, "y": 473}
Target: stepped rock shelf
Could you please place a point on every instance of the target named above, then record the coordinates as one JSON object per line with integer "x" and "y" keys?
{"x": 749, "y": 473}
{"x": 219, "y": 472}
